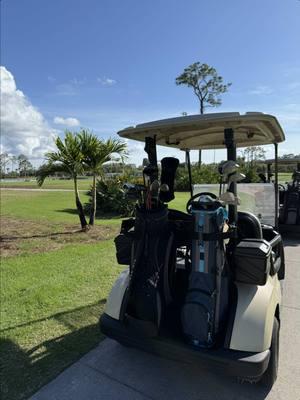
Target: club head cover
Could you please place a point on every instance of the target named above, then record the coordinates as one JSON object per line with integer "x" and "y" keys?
{"x": 169, "y": 166}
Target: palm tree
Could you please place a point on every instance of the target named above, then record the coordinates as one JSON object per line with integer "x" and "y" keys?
{"x": 96, "y": 152}
{"x": 68, "y": 159}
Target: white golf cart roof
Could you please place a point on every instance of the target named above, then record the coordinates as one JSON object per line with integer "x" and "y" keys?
{"x": 207, "y": 131}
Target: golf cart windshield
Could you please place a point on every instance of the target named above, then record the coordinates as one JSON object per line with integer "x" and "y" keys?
{"x": 257, "y": 198}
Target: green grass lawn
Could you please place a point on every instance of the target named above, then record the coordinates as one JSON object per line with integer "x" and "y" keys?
{"x": 53, "y": 286}
{"x": 54, "y": 207}
{"x": 284, "y": 177}
{"x": 50, "y": 307}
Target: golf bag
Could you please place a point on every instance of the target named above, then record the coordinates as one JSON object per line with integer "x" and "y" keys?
{"x": 291, "y": 204}
{"x": 151, "y": 246}
{"x": 291, "y": 207}
{"x": 206, "y": 302}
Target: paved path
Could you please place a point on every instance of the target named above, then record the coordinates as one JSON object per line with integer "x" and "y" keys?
{"x": 113, "y": 372}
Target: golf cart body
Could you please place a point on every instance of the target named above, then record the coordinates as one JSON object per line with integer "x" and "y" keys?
{"x": 236, "y": 254}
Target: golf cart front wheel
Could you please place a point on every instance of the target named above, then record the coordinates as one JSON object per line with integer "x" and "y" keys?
{"x": 270, "y": 376}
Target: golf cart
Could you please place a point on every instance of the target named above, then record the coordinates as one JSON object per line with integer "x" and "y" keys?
{"x": 289, "y": 196}
{"x": 201, "y": 286}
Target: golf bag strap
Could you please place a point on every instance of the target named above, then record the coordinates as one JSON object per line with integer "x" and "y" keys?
{"x": 207, "y": 237}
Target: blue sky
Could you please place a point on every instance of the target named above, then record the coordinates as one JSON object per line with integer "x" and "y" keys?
{"x": 106, "y": 65}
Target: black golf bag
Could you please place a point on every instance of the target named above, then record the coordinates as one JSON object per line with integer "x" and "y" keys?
{"x": 204, "y": 311}
{"x": 151, "y": 246}
{"x": 291, "y": 208}
{"x": 291, "y": 205}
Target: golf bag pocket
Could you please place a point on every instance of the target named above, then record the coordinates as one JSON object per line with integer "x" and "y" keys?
{"x": 124, "y": 241}
{"x": 197, "y": 316}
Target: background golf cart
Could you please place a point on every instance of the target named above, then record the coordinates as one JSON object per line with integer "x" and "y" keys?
{"x": 250, "y": 345}
{"x": 289, "y": 195}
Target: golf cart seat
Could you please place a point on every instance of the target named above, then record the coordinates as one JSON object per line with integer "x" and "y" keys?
{"x": 249, "y": 226}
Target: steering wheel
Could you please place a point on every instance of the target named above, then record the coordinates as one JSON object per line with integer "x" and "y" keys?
{"x": 281, "y": 187}
{"x": 189, "y": 203}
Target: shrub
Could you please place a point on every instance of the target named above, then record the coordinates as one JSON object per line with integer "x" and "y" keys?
{"x": 251, "y": 175}
{"x": 111, "y": 198}
{"x": 203, "y": 174}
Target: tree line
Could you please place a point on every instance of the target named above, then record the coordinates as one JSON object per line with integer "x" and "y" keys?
{"x": 15, "y": 166}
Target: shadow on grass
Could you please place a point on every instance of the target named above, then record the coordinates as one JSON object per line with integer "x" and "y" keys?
{"x": 69, "y": 211}
{"x": 45, "y": 235}
{"x": 57, "y": 316}
{"x": 24, "y": 372}
{"x": 98, "y": 216}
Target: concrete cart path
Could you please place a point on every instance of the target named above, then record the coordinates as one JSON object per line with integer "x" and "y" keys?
{"x": 113, "y": 372}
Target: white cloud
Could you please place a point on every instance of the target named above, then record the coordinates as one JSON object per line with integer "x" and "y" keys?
{"x": 70, "y": 121}
{"x": 261, "y": 90}
{"x": 23, "y": 127}
{"x": 106, "y": 81}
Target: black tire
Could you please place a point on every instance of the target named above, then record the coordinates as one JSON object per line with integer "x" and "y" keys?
{"x": 269, "y": 377}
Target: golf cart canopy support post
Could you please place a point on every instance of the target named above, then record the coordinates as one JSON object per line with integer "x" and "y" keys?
{"x": 276, "y": 186}
{"x": 231, "y": 155}
{"x": 188, "y": 159}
